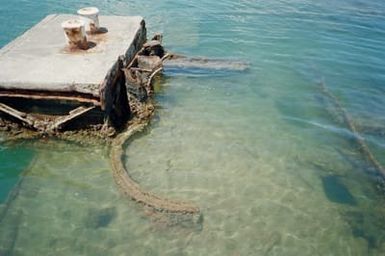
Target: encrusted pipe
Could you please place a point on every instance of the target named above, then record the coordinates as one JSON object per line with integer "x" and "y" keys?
{"x": 132, "y": 189}
{"x": 75, "y": 34}
{"x": 90, "y": 15}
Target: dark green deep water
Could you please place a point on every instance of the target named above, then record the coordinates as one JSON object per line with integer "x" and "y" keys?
{"x": 264, "y": 153}
{"x": 13, "y": 162}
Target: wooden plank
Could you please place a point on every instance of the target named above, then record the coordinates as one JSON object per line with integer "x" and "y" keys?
{"x": 21, "y": 116}
{"x": 75, "y": 113}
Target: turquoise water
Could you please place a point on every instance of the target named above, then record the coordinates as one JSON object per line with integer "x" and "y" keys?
{"x": 264, "y": 153}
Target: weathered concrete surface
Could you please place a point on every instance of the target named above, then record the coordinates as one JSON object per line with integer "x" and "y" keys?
{"x": 39, "y": 60}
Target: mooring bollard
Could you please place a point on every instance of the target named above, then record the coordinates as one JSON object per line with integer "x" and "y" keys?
{"x": 90, "y": 15}
{"x": 75, "y": 34}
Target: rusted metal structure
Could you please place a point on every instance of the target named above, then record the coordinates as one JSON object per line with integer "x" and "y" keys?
{"x": 48, "y": 85}
{"x": 101, "y": 75}
{"x": 62, "y": 89}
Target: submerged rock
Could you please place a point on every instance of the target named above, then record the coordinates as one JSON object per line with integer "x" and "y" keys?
{"x": 100, "y": 218}
{"x": 367, "y": 226}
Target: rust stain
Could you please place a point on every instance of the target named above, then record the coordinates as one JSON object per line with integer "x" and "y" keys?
{"x": 95, "y": 39}
{"x": 76, "y": 38}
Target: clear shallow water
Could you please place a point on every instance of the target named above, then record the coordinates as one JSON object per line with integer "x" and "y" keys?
{"x": 264, "y": 153}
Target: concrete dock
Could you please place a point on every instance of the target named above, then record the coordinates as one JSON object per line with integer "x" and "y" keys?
{"x": 39, "y": 66}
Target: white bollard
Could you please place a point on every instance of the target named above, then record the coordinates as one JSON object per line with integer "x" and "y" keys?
{"x": 75, "y": 34}
{"x": 90, "y": 15}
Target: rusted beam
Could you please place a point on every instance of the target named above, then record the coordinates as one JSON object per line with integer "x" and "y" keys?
{"x": 95, "y": 102}
{"x": 21, "y": 116}
{"x": 141, "y": 69}
{"x": 113, "y": 96}
{"x": 61, "y": 121}
{"x": 152, "y": 76}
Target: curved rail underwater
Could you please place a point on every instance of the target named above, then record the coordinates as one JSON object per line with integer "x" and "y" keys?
{"x": 132, "y": 189}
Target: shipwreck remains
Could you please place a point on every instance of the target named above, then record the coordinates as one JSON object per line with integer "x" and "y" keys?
{"x": 358, "y": 138}
{"x": 139, "y": 74}
{"x": 47, "y": 85}
{"x": 100, "y": 76}
{"x": 130, "y": 188}
{"x": 98, "y": 80}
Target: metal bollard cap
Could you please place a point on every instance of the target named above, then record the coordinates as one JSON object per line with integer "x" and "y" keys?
{"x": 72, "y": 23}
{"x": 87, "y": 11}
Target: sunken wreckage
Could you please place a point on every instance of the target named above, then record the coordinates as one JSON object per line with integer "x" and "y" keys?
{"x": 118, "y": 107}
{"x": 44, "y": 110}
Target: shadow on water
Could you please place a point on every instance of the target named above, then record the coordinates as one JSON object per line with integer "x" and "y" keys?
{"x": 336, "y": 191}
{"x": 289, "y": 108}
{"x": 100, "y": 218}
{"x": 358, "y": 164}
{"x": 358, "y": 232}
{"x": 366, "y": 220}
{"x": 367, "y": 226}
{"x": 376, "y": 130}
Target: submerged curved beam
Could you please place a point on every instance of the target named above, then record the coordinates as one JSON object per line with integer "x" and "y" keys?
{"x": 132, "y": 189}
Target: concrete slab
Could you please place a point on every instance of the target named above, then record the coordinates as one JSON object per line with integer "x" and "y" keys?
{"x": 39, "y": 60}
